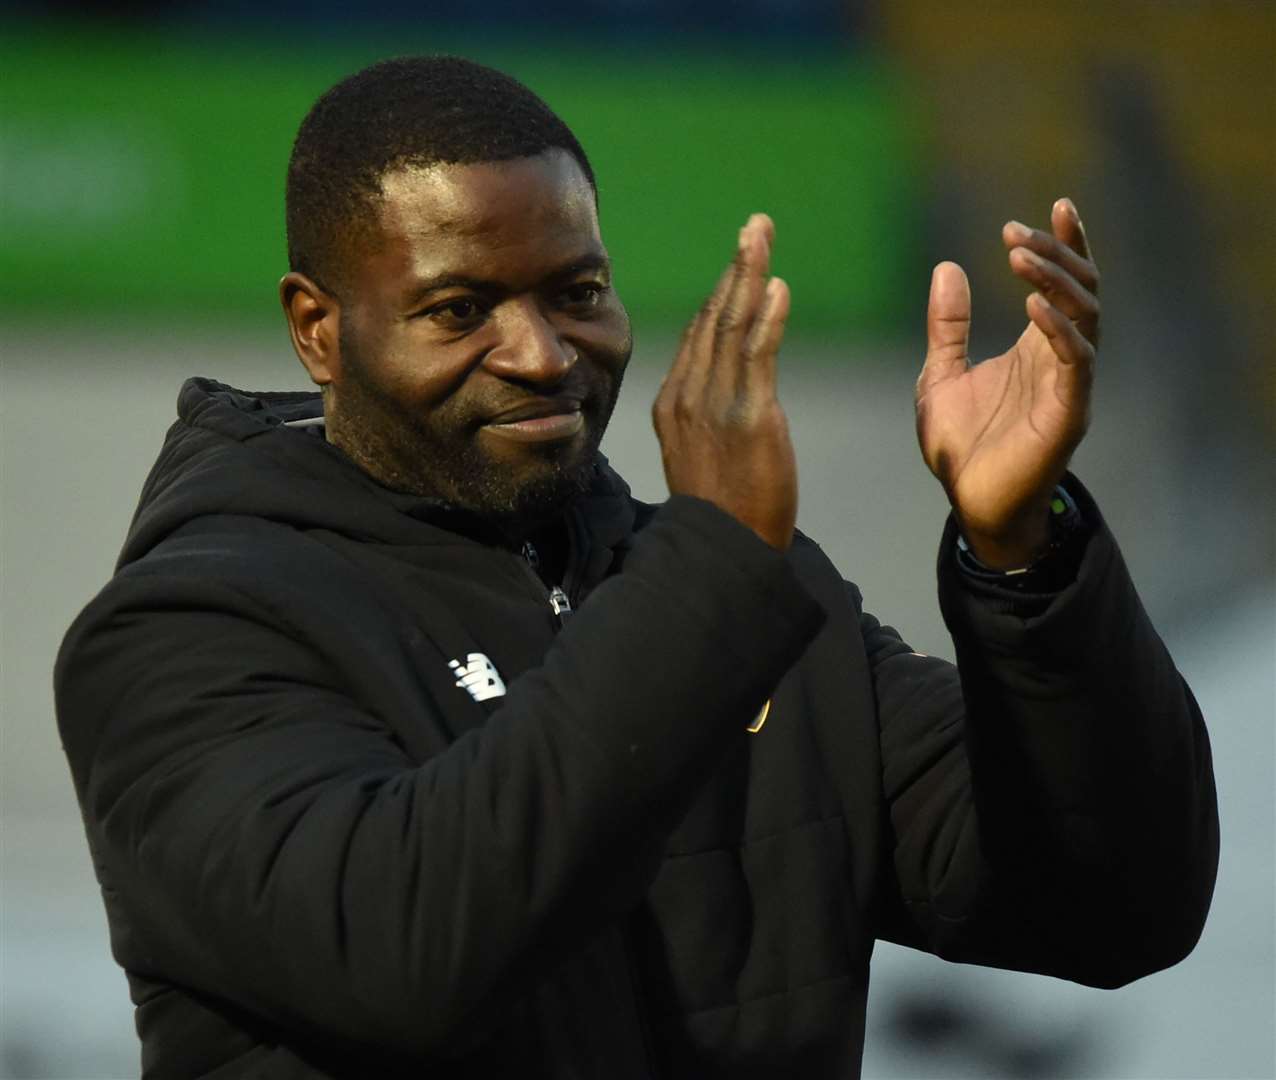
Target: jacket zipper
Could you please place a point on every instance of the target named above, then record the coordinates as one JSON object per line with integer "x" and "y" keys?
{"x": 559, "y": 603}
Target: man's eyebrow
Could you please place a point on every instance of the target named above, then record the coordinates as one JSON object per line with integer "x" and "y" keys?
{"x": 425, "y": 286}
{"x": 593, "y": 261}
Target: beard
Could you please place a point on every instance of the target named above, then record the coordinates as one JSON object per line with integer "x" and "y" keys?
{"x": 438, "y": 452}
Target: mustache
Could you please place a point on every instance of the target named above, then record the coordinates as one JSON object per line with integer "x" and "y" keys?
{"x": 537, "y": 408}
{"x": 576, "y": 393}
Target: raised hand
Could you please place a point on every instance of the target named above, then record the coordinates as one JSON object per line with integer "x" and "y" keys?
{"x": 723, "y": 436}
{"x": 998, "y": 435}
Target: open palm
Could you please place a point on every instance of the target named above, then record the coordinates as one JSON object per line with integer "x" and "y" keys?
{"x": 998, "y": 435}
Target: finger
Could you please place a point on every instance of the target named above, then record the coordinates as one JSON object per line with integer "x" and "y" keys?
{"x": 1066, "y": 223}
{"x": 745, "y": 296}
{"x": 762, "y": 346}
{"x": 701, "y": 337}
{"x": 1074, "y": 374}
{"x": 1075, "y": 353}
{"x": 1060, "y": 288}
{"x": 757, "y": 226}
{"x": 1055, "y": 249}
{"x": 947, "y": 326}
{"x": 693, "y": 355}
{"x": 673, "y": 377}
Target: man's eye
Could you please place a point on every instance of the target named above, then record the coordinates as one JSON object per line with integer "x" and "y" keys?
{"x": 584, "y": 293}
{"x": 461, "y": 310}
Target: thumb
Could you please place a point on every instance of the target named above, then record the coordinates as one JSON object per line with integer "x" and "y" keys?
{"x": 947, "y": 326}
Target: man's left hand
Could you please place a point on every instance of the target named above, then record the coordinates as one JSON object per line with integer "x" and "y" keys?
{"x": 998, "y": 435}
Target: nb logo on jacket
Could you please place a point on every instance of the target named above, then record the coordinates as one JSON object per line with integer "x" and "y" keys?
{"x": 478, "y": 676}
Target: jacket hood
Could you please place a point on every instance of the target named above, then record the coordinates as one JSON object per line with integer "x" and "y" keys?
{"x": 264, "y": 455}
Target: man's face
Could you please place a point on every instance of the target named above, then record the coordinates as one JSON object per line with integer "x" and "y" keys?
{"x": 482, "y": 345}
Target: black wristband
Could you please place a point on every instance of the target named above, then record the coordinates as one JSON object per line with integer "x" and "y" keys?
{"x": 1053, "y": 569}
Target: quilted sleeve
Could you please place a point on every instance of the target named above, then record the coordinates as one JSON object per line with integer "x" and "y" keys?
{"x": 1051, "y": 798}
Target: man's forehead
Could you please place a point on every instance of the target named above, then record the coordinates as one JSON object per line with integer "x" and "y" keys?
{"x": 467, "y": 199}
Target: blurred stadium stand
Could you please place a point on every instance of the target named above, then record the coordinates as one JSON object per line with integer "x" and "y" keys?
{"x": 145, "y": 169}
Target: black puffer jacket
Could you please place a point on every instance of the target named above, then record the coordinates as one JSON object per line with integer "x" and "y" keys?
{"x": 330, "y": 847}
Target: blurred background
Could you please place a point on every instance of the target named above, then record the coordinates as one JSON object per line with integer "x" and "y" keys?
{"x": 141, "y": 238}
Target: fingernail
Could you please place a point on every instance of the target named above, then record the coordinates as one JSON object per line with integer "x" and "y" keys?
{"x": 1019, "y": 229}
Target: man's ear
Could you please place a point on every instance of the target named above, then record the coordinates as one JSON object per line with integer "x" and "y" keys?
{"x": 314, "y": 323}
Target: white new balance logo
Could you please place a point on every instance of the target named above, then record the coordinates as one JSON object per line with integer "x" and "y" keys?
{"x": 479, "y": 676}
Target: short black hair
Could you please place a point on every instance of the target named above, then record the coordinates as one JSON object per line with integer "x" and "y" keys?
{"x": 415, "y": 110}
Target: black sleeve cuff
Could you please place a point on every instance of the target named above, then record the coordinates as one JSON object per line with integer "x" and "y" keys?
{"x": 1028, "y": 590}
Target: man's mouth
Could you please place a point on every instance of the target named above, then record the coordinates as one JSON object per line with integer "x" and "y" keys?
{"x": 541, "y": 420}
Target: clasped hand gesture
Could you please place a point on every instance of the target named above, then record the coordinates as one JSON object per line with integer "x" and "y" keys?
{"x": 997, "y": 435}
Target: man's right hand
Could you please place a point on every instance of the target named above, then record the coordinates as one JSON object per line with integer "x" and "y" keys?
{"x": 723, "y": 435}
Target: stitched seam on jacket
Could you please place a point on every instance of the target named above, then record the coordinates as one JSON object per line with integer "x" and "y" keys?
{"x": 954, "y": 919}
{"x": 751, "y": 841}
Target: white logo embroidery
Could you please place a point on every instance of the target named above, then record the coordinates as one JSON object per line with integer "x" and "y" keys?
{"x": 479, "y": 676}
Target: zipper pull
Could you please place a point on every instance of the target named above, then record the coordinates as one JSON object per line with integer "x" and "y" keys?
{"x": 558, "y": 601}
{"x": 561, "y": 605}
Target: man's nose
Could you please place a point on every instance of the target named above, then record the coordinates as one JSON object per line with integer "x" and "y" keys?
{"x": 531, "y": 348}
